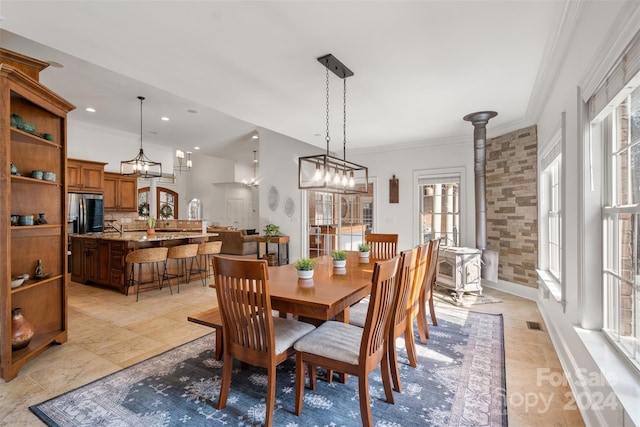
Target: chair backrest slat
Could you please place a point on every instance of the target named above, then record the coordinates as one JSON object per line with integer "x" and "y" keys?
{"x": 430, "y": 273}
{"x": 374, "y": 333}
{"x": 242, "y": 287}
{"x": 383, "y": 246}
{"x": 404, "y": 282}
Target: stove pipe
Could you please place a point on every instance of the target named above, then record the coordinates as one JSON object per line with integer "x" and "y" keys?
{"x": 479, "y": 121}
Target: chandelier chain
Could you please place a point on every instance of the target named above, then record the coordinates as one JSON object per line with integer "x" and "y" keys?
{"x": 327, "y": 138}
{"x": 344, "y": 120}
{"x": 141, "y": 98}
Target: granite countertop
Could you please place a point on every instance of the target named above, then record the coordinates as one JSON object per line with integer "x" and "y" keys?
{"x": 141, "y": 236}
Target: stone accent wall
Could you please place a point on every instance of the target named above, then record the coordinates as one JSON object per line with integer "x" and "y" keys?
{"x": 512, "y": 204}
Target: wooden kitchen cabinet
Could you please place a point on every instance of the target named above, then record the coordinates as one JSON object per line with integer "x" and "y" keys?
{"x": 85, "y": 176}
{"x": 42, "y": 299}
{"x": 120, "y": 193}
{"x": 98, "y": 261}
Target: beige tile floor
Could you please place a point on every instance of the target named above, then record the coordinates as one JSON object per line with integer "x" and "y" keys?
{"x": 109, "y": 331}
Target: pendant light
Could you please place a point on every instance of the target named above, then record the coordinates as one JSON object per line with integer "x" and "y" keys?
{"x": 327, "y": 173}
{"x": 183, "y": 166}
{"x": 140, "y": 166}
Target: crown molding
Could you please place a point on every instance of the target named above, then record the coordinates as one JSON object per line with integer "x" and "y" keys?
{"x": 624, "y": 28}
{"x": 492, "y": 132}
{"x": 554, "y": 58}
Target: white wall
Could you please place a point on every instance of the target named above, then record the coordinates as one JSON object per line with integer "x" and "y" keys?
{"x": 86, "y": 142}
{"x": 278, "y": 160}
{"x": 599, "y": 22}
{"x": 402, "y": 217}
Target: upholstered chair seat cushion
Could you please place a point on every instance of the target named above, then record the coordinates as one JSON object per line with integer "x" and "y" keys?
{"x": 334, "y": 340}
{"x": 358, "y": 313}
{"x": 287, "y": 331}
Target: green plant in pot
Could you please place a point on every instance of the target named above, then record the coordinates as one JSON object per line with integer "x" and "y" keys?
{"x": 305, "y": 267}
{"x": 151, "y": 225}
{"x": 270, "y": 231}
{"x": 339, "y": 258}
{"x": 364, "y": 250}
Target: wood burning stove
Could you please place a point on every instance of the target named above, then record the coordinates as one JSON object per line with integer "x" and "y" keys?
{"x": 459, "y": 269}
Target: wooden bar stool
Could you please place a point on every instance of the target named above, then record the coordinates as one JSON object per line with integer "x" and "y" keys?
{"x": 181, "y": 253}
{"x": 206, "y": 250}
{"x": 151, "y": 256}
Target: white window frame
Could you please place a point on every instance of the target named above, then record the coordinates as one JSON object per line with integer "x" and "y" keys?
{"x": 550, "y": 257}
{"x": 613, "y": 243}
{"x": 427, "y": 176}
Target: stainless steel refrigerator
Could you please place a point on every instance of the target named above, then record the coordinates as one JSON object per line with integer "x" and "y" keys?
{"x": 86, "y": 212}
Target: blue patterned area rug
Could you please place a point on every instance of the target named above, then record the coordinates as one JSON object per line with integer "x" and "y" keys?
{"x": 460, "y": 381}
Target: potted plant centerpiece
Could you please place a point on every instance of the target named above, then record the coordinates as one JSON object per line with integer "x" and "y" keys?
{"x": 364, "y": 249}
{"x": 151, "y": 225}
{"x": 339, "y": 258}
{"x": 305, "y": 268}
{"x": 270, "y": 231}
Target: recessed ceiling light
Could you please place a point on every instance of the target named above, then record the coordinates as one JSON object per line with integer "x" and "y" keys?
{"x": 192, "y": 111}
{"x": 196, "y": 148}
{"x": 164, "y": 119}
{"x": 90, "y": 109}
{"x": 55, "y": 64}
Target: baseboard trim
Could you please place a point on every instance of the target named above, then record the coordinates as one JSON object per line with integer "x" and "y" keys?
{"x": 512, "y": 288}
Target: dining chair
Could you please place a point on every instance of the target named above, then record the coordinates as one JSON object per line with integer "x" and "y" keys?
{"x": 426, "y": 293}
{"x": 398, "y": 316}
{"x": 413, "y": 306}
{"x": 251, "y": 334}
{"x": 383, "y": 246}
{"x": 350, "y": 349}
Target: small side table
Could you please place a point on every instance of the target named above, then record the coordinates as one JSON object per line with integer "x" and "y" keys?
{"x": 281, "y": 242}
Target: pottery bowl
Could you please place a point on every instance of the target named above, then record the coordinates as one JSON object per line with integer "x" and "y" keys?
{"x": 36, "y": 174}
{"x": 16, "y": 281}
{"x": 27, "y": 127}
{"x": 25, "y": 220}
{"x": 49, "y": 176}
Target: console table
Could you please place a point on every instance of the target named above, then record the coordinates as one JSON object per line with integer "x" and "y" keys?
{"x": 282, "y": 242}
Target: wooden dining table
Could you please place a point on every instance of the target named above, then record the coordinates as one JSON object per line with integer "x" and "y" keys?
{"x": 327, "y": 295}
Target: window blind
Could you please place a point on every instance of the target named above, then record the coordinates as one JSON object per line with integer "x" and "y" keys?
{"x": 619, "y": 83}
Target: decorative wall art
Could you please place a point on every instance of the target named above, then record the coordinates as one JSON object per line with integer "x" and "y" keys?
{"x": 394, "y": 184}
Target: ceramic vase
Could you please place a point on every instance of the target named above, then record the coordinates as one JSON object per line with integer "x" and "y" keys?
{"x": 21, "y": 330}
{"x": 41, "y": 219}
{"x": 364, "y": 254}
{"x": 151, "y": 231}
{"x": 339, "y": 263}
{"x": 305, "y": 274}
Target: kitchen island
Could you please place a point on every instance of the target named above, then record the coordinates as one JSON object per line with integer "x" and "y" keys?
{"x": 99, "y": 258}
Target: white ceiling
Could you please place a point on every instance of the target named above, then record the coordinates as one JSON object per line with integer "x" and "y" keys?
{"x": 419, "y": 66}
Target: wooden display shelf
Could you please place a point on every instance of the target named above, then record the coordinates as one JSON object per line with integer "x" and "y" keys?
{"x": 35, "y": 181}
{"x": 31, "y": 227}
{"x": 39, "y": 343}
{"x": 22, "y": 136}
{"x": 32, "y": 283}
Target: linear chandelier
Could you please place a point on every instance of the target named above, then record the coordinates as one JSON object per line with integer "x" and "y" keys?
{"x": 327, "y": 173}
{"x": 183, "y": 166}
{"x": 141, "y": 166}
